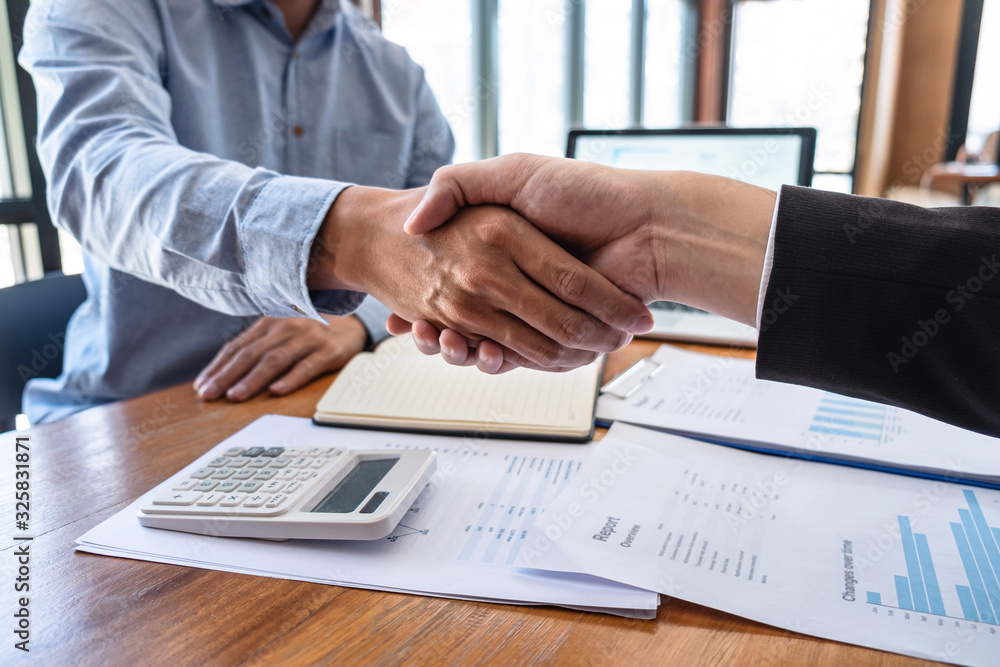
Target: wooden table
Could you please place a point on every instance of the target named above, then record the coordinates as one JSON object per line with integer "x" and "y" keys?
{"x": 88, "y": 609}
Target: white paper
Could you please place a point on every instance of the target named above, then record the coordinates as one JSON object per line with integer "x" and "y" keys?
{"x": 718, "y": 398}
{"x": 458, "y": 540}
{"x": 791, "y": 543}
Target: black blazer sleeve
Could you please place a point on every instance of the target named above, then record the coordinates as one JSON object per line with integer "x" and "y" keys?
{"x": 888, "y": 302}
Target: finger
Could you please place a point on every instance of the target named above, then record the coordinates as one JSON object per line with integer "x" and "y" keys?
{"x": 494, "y": 181}
{"x": 304, "y": 371}
{"x": 269, "y": 365}
{"x": 576, "y": 284}
{"x": 455, "y": 349}
{"x": 490, "y": 358}
{"x": 531, "y": 345}
{"x": 397, "y": 326}
{"x": 245, "y": 338}
{"x": 426, "y": 337}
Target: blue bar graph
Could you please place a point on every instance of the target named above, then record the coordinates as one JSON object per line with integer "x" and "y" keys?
{"x": 849, "y": 418}
{"x": 903, "y": 593}
{"x": 968, "y": 605}
{"x": 978, "y": 546}
{"x": 918, "y": 595}
{"x": 930, "y": 576}
{"x": 972, "y": 572}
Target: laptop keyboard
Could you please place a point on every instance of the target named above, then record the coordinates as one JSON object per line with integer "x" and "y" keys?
{"x": 676, "y": 307}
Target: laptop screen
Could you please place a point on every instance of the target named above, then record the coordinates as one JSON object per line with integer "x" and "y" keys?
{"x": 768, "y": 158}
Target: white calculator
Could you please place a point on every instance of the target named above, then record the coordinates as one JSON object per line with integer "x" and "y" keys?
{"x": 279, "y": 493}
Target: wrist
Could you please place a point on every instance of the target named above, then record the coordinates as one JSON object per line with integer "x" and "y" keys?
{"x": 345, "y": 251}
{"x": 714, "y": 242}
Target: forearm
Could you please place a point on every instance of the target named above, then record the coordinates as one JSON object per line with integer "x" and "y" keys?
{"x": 711, "y": 235}
{"x": 888, "y": 302}
{"x": 212, "y": 230}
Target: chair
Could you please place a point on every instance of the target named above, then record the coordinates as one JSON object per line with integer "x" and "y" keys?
{"x": 33, "y": 320}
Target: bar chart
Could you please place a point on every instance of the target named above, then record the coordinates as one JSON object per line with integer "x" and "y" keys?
{"x": 978, "y": 547}
{"x": 849, "y": 418}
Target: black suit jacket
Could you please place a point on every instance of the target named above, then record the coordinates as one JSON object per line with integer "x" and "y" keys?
{"x": 888, "y": 302}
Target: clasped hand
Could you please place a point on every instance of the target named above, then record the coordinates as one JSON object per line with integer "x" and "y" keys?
{"x": 488, "y": 274}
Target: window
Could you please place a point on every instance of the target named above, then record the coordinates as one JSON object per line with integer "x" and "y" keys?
{"x": 29, "y": 244}
{"x": 984, "y": 109}
{"x": 531, "y": 76}
{"x": 665, "y": 103}
{"x": 438, "y": 35}
{"x": 811, "y": 76}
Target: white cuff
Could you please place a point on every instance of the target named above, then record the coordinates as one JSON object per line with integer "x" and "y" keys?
{"x": 765, "y": 275}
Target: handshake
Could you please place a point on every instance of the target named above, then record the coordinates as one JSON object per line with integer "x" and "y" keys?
{"x": 545, "y": 262}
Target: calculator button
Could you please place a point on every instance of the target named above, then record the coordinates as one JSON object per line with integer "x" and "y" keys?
{"x": 336, "y": 452}
{"x": 293, "y": 487}
{"x": 258, "y": 462}
{"x": 273, "y": 486}
{"x": 288, "y": 473}
{"x": 300, "y": 462}
{"x": 306, "y": 475}
{"x": 233, "y": 451}
{"x": 239, "y": 462}
{"x": 250, "y": 487}
{"x": 218, "y": 462}
{"x": 186, "y": 485}
{"x": 233, "y": 499}
{"x": 294, "y": 452}
{"x": 280, "y": 462}
{"x": 205, "y": 486}
{"x": 256, "y": 500}
{"x": 265, "y": 474}
{"x": 274, "y": 451}
{"x": 245, "y": 473}
{"x": 317, "y": 463}
{"x": 210, "y": 499}
{"x": 331, "y": 452}
{"x": 228, "y": 486}
{"x": 253, "y": 452}
{"x": 276, "y": 500}
{"x": 315, "y": 451}
{"x": 202, "y": 473}
{"x": 223, "y": 473}
{"x": 178, "y": 498}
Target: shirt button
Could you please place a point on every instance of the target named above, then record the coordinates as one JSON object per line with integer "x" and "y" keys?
{"x": 298, "y": 131}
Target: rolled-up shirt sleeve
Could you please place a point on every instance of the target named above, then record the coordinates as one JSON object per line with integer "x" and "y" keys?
{"x": 231, "y": 237}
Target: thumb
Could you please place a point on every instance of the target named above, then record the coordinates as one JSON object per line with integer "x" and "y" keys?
{"x": 495, "y": 181}
{"x": 441, "y": 201}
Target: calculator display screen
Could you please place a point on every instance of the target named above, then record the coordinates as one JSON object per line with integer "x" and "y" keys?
{"x": 355, "y": 487}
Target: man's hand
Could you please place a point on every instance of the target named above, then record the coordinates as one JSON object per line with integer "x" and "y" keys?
{"x": 681, "y": 236}
{"x": 488, "y": 274}
{"x": 282, "y": 354}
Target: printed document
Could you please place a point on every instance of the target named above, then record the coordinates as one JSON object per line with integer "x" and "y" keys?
{"x": 892, "y": 562}
{"x": 459, "y": 539}
{"x": 719, "y": 399}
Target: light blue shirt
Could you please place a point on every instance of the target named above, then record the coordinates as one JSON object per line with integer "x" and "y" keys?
{"x": 194, "y": 150}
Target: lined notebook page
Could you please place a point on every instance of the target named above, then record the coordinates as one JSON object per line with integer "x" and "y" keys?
{"x": 410, "y": 387}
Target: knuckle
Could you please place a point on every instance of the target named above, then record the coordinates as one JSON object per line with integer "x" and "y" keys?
{"x": 493, "y": 230}
{"x": 572, "y": 330}
{"x": 549, "y": 355}
{"x": 474, "y": 279}
{"x": 273, "y": 359}
{"x": 571, "y": 282}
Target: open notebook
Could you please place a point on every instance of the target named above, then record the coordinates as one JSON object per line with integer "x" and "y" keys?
{"x": 396, "y": 387}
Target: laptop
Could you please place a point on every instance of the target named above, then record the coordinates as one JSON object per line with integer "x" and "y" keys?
{"x": 769, "y": 157}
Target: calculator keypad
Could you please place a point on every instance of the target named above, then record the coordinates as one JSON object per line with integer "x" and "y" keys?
{"x": 254, "y": 481}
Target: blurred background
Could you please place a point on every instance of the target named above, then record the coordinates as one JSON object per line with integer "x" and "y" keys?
{"x": 895, "y": 88}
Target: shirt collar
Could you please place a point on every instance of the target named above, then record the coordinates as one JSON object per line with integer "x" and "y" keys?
{"x": 324, "y": 19}
{"x": 325, "y": 5}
